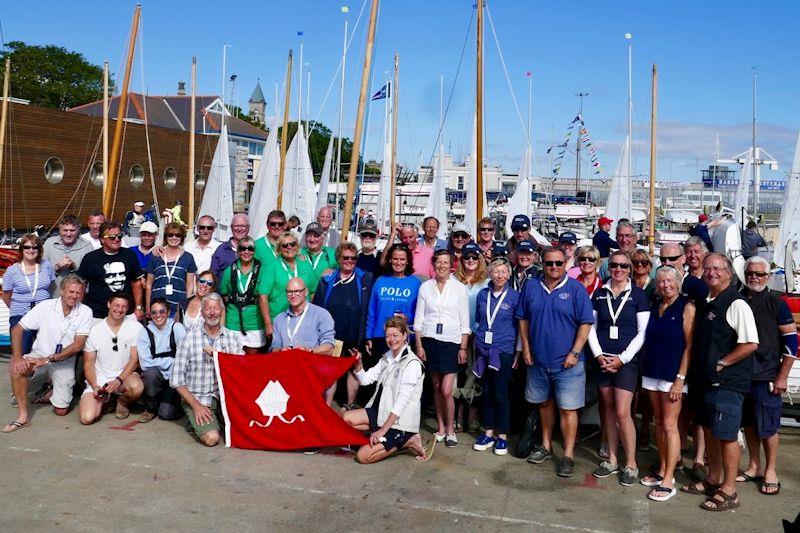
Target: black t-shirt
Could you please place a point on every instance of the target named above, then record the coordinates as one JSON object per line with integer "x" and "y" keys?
{"x": 107, "y": 274}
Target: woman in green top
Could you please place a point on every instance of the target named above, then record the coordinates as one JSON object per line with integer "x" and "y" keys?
{"x": 275, "y": 276}
{"x": 322, "y": 258}
{"x": 240, "y": 288}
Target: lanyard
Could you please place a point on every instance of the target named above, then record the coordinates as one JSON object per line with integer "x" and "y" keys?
{"x": 615, "y": 315}
{"x": 345, "y": 281}
{"x": 490, "y": 317}
{"x": 315, "y": 261}
{"x": 290, "y": 333}
{"x": 289, "y": 272}
{"x": 169, "y": 272}
{"x": 35, "y": 286}
{"x": 243, "y": 288}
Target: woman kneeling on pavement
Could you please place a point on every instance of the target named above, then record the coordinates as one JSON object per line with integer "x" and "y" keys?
{"x": 393, "y": 413}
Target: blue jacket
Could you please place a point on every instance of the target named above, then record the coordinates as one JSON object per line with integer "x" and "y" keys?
{"x": 363, "y": 283}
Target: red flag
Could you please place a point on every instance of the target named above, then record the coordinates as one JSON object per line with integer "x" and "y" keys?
{"x": 275, "y": 401}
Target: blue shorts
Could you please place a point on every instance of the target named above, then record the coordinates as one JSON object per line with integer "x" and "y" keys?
{"x": 722, "y": 413}
{"x": 395, "y": 438}
{"x": 762, "y": 410}
{"x": 567, "y": 385}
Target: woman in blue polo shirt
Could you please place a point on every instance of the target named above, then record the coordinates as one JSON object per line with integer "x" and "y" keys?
{"x": 621, "y": 312}
{"x": 495, "y": 338}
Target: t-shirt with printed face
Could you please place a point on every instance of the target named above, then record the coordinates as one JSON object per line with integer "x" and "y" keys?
{"x": 107, "y": 274}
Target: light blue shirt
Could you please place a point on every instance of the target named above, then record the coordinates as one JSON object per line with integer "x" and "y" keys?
{"x": 146, "y": 359}
{"x": 315, "y": 328}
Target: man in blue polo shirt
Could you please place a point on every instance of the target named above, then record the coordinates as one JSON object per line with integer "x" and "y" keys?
{"x": 556, "y": 314}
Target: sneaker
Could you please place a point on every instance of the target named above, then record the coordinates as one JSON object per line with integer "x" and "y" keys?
{"x": 122, "y": 412}
{"x": 438, "y": 436}
{"x": 567, "y": 468}
{"x": 451, "y": 441}
{"x": 629, "y": 476}
{"x": 501, "y": 447}
{"x": 146, "y": 417}
{"x": 484, "y": 442}
{"x": 605, "y": 469}
{"x": 539, "y": 455}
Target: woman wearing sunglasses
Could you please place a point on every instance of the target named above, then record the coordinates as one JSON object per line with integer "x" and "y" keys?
{"x": 239, "y": 287}
{"x": 585, "y": 271}
{"x": 459, "y": 236}
{"x": 191, "y": 315}
{"x": 26, "y": 283}
{"x": 641, "y": 266}
{"x": 171, "y": 275}
{"x": 621, "y": 312}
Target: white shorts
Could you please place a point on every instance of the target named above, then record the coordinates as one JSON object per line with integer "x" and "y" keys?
{"x": 255, "y": 338}
{"x": 62, "y": 377}
{"x": 659, "y": 385}
{"x": 102, "y": 380}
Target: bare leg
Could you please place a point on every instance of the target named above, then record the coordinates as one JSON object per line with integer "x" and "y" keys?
{"x": 89, "y": 409}
{"x": 731, "y": 453}
{"x": 656, "y": 401}
{"x": 610, "y": 423}
{"x": 547, "y": 414}
{"x": 438, "y": 403}
{"x": 357, "y": 418}
{"x": 771, "y": 454}
{"x": 352, "y": 387}
{"x": 132, "y": 388}
{"x": 699, "y": 445}
{"x": 672, "y": 440}
{"x": 753, "y": 451}
{"x": 714, "y": 451}
{"x": 210, "y": 439}
{"x": 371, "y": 454}
{"x": 569, "y": 430}
{"x": 19, "y": 384}
{"x": 448, "y": 403}
{"x": 329, "y": 394}
{"x": 415, "y": 445}
{"x": 627, "y": 429}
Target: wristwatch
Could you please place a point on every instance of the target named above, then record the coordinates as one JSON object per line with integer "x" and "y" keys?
{"x": 680, "y": 377}
{"x": 576, "y": 354}
{"x": 721, "y": 363}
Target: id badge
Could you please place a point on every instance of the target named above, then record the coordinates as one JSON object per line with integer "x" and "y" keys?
{"x": 439, "y": 329}
{"x": 487, "y": 337}
{"x": 168, "y": 289}
{"x": 613, "y": 333}
{"x": 58, "y": 348}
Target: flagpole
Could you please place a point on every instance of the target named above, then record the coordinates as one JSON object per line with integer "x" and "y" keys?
{"x": 362, "y": 97}
{"x": 628, "y": 37}
{"x": 652, "y": 221}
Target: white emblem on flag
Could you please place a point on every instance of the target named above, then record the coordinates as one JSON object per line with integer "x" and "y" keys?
{"x": 273, "y": 401}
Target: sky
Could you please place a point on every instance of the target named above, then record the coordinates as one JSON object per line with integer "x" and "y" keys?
{"x": 705, "y": 52}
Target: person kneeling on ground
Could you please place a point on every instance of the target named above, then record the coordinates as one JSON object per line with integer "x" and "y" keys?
{"x": 193, "y": 374}
{"x": 110, "y": 361}
{"x": 392, "y": 415}
{"x": 157, "y": 344}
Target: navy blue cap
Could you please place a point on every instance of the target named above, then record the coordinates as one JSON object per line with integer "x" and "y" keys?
{"x": 520, "y": 222}
{"x": 568, "y": 237}
{"x": 470, "y": 248}
{"x": 499, "y": 250}
{"x": 526, "y": 246}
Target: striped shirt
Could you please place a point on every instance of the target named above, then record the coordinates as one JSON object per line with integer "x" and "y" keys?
{"x": 25, "y": 291}
{"x": 170, "y": 273}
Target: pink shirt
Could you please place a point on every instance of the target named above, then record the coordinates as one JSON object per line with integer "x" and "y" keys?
{"x": 421, "y": 258}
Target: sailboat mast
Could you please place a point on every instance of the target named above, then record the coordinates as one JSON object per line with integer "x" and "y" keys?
{"x": 362, "y": 100}
{"x": 479, "y": 113}
{"x": 285, "y": 129}
{"x": 341, "y": 114}
{"x": 578, "y": 144}
{"x": 121, "y": 109}
{"x": 393, "y": 183}
{"x": 105, "y": 125}
{"x": 651, "y": 230}
{"x": 192, "y": 110}
{"x": 756, "y": 168}
{"x": 628, "y": 183}
{"x": 4, "y": 113}
{"x": 529, "y": 154}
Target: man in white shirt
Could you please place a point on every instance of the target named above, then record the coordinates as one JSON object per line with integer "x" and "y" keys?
{"x": 95, "y": 220}
{"x": 110, "y": 361}
{"x": 204, "y": 246}
{"x": 325, "y": 219}
{"x": 62, "y": 324}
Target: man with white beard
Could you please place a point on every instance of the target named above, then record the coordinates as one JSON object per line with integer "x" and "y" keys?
{"x": 772, "y": 361}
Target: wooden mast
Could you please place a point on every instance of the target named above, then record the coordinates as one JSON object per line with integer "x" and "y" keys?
{"x": 192, "y": 110}
{"x": 393, "y": 183}
{"x": 479, "y": 115}
{"x": 4, "y": 113}
{"x": 651, "y": 237}
{"x": 123, "y": 104}
{"x": 105, "y": 127}
{"x": 362, "y": 99}
{"x": 285, "y": 130}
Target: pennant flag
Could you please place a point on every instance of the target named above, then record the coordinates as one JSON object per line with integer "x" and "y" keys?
{"x": 382, "y": 93}
{"x": 528, "y": 74}
{"x": 276, "y": 401}
{"x": 299, "y": 33}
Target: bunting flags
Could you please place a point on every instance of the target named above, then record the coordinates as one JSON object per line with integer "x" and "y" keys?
{"x": 583, "y": 136}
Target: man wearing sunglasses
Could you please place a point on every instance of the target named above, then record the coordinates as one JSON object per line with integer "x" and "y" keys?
{"x": 555, "y": 316}
{"x": 267, "y": 246}
{"x": 486, "y": 237}
{"x": 203, "y": 247}
{"x": 772, "y": 362}
{"x": 110, "y": 270}
{"x": 110, "y": 361}
{"x": 521, "y": 230}
{"x": 226, "y": 253}
{"x": 368, "y": 257}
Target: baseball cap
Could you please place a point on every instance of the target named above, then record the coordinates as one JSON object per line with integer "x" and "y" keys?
{"x": 470, "y": 248}
{"x": 499, "y": 250}
{"x": 138, "y": 204}
{"x": 368, "y": 227}
{"x": 525, "y": 246}
{"x": 520, "y": 222}
{"x": 314, "y": 227}
{"x": 567, "y": 237}
{"x": 148, "y": 227}
{"x": 702, "y": 218}
{"x": 460, "y": 226}
{"x": 604, "y": 220}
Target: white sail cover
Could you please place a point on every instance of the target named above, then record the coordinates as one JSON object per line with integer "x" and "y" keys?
{"x": 437, "y": 201}
{"x": 743, "y": 190}
{"x": 384, "y": 191}
{"x": 217, "y": 197}
{"x": 299, "y": 197}
{"x": 264, "y": 197}
{"x": 618, "y": 204}
{"x": 789, "y": 228}
{"x": 325, "y": 178}
{"x": 471, "y": 215}
{"x": 520, "y": 201}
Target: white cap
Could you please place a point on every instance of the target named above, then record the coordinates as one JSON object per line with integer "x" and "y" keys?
{"x": 138, "y": 204}
{"x": 148, "y": 227}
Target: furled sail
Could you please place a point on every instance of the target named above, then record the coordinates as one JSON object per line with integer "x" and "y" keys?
{"x": 619, "y": 196}
{"x": 789, "y": 228}
{"x": 299, "y": 197}
{"x": 520, "y": 201}
{"x": 742, "y": 191}
{"x": 264, "y": 197}
{"x": 437, "y": 201}
{"x": 217, "y": 198}
{"x": 325, "y": 178}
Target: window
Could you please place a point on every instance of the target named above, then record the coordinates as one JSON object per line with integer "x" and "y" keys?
{"x": 199, "y": 180}
{"x": 136, "y": 175}
{"x": 460, "y": 185}
{"x": 96, "y": 174}
{"x": 54, "y": 170}
{"x": 170, "y": 178}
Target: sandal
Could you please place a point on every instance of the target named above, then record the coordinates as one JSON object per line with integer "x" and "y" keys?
{"x": 43, "y": 395}
{"x": 16, "y": 425}
{"x": 699, "y": 471}
{"x": 766, "y": 486}
{"x": 728, "y": 502}
{"x": 661, "y": 494}
{"x": 744, "y": 477}
{"x": 707, "y": 489}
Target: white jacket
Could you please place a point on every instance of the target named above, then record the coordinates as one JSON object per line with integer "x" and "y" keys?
{"x": 401, "y": 378}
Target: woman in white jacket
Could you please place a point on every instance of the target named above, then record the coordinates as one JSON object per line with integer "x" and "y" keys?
{"x": 393, "y": 413}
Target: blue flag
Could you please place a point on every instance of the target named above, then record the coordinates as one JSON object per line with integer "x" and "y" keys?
{"x": 382, "y": 93}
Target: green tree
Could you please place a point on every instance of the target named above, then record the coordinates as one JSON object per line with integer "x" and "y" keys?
{"x": 52, "y": 76}
{"x": 318, "y": 144}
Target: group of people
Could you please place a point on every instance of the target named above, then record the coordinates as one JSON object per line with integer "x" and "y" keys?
{"x": 467, "y": 313}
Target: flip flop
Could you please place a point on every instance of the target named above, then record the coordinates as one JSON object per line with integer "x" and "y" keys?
{"x": 743, "y": 477}
{"x": 16, "y": 425}
{"x": 767, "y": 485}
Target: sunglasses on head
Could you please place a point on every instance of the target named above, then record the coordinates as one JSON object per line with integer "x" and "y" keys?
{"x": 671, "y": 257}
{"x": 288, "y": 245}
{"x": 116, "y": 236}
{"x": 554, "y": 263}
{"x": 751, "y": 273}
{"x": 206, "y": 228}
{"x": 623, "y": 266}
{"x": 587, "y": 259}
{"x": 247, "y": 248}
{"x": 206, "y": 282}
